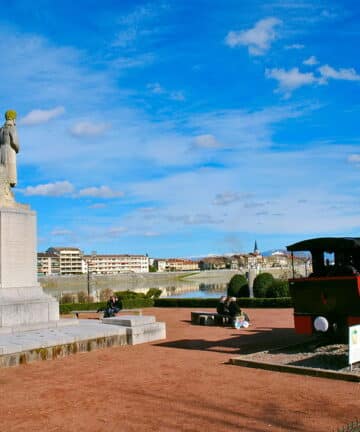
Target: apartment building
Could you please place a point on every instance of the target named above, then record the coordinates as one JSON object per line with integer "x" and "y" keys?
{"x": 70, "y": 259}
{"x": 112, "y": 264}
{"x": 48, "y": 264}
{"x": 176, "y": 264}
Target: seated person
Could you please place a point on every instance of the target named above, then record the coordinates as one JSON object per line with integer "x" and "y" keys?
{"x": 236, "y": 314}
{"x": 222, "y": 307}
{"x": 113, "y": 306}
{"x": 234, "y": 309}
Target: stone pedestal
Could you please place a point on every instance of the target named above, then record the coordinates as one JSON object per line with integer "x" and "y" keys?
{"x": 22, "y": 300}
{"x": 139, "y": 329}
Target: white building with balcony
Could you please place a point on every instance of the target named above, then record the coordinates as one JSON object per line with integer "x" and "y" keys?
{"x": 113, "y": 264}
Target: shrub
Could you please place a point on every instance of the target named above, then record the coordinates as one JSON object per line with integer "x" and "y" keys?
{"x": 153, "y": 293}
{"x": 131, "y": 299}
{"x": 82, "y": 297}
{"x": 262, "y": 283}
{"x": 238, "y": 286}
{"x": 105, "y": 294}
{"x": 68, "y": 307}
{"x": 279, "y": 288}
{"x": 67, "y": 298}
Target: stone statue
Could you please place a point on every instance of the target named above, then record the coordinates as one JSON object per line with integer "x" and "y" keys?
{"x": 9, "y": 146}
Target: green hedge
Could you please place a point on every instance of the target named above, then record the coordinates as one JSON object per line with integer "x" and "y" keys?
{"x": 66, "y": 308}
{"x": 127, "y": 303}
{"x": 283, "y": 302}
{"x": 141, "y": 302}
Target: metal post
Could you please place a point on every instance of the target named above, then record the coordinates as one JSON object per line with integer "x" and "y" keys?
{"x": 88, "y": 280}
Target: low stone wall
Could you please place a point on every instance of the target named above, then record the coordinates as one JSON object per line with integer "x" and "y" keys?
{"x": 132, "y": 281}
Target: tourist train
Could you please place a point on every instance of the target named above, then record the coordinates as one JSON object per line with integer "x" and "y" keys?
{"x": 328, "y": 300}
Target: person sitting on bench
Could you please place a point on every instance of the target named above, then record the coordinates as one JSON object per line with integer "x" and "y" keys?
{"x": 234, "y": 309}
{"x": 113, "y": 306}
{"x": 236, "y": 314}
{"x": 223, "y": 309}
{"x": 222, "y": 306}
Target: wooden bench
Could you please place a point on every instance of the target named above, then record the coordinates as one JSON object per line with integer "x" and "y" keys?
{"x": 101, "y": 313}
{"x": 208, "y": 318}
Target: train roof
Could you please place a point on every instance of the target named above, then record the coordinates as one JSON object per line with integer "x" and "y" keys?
{"x": 327, "y": 244}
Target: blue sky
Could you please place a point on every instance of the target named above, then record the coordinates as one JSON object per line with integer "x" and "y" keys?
{"x": 185, "y": 128}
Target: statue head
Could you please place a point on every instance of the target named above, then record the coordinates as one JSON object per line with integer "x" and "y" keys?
{"x": 10, "y": 115}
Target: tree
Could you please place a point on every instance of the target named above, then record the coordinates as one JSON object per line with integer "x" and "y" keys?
{"x": 238, "y": 286}
{"x": 153, "y": 293}
{"x": 262, "y": 284}
{"x": 279, "y": 288}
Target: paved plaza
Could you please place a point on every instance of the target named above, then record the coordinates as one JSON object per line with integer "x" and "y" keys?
{"x": 183, "y": 383}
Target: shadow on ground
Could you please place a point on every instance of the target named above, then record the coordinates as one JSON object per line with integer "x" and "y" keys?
{"x": 244, "y": 341}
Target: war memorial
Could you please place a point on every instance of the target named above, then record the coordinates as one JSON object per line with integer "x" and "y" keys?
{"x": 30, "y": 327}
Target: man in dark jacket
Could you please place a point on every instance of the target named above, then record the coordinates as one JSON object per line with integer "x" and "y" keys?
{"x": 113, "y": 306}
{"x": 234, "y": 309}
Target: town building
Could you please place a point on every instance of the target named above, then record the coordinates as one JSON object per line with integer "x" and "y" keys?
{"x": 180, "y": 264}
{"x": 175, "y": 264}
{"x": 215, "y": 263}
{"x": 113, "y": 264}
{"x": 70, "y": 259}
{"x": 48, "y": 264}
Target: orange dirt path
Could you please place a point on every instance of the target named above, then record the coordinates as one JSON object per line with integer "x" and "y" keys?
{"x": 180, "y": 384}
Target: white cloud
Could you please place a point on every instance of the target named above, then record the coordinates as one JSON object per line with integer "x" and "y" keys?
{"x": 125, "y": 38}
{"x": 100, "y": 192}
{"x": 206, "y": 141}
{"x": 116, "y": 231}
{"x": 354, "y": 158}
{"x": 86, "y": 128}
{"x": 97, "y": 205}
{"x": 131, "y": 62}
{"x": 60, "y": 232}
{"x": 195, "y": 219}
{"x": 156, "y": 88}
{"x": 311, "y": 61}
{"x": 151, "y": 234}
{"x": 294, "y": 47}
{"x": 258, "y": 39}
{"x": 39, "y": 116}
{"x": 49, "y": 189}
{"x": 244, "y": 130}
{"x": 226, "y": 198}
{"x": 328, "y": 72}
{"x": 290, "y": 80}
{"x": 177, "y": 96}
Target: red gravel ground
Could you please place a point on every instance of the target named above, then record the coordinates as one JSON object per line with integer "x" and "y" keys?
{"x": 180, "y": 384}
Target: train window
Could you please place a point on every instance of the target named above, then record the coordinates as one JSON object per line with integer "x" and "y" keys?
{"x": 329, "y": 261}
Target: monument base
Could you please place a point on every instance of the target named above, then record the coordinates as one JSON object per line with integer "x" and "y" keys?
{"x": 16, "y": 311}
{"x": 23, "y": 304}
{"x": 42, "y": 344}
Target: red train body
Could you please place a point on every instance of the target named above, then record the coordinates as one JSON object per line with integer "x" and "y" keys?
{"x": 328, "y": 300}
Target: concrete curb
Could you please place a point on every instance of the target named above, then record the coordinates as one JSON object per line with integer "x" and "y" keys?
{"x": 300, "y": 370}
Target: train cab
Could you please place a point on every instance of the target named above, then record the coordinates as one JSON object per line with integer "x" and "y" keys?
{"x": 328, "y": 300}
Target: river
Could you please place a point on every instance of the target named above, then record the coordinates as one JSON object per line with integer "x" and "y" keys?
{"x": 200, "y": 284}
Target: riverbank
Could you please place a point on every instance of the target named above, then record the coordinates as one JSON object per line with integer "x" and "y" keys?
{"x": 134, "y": 281}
